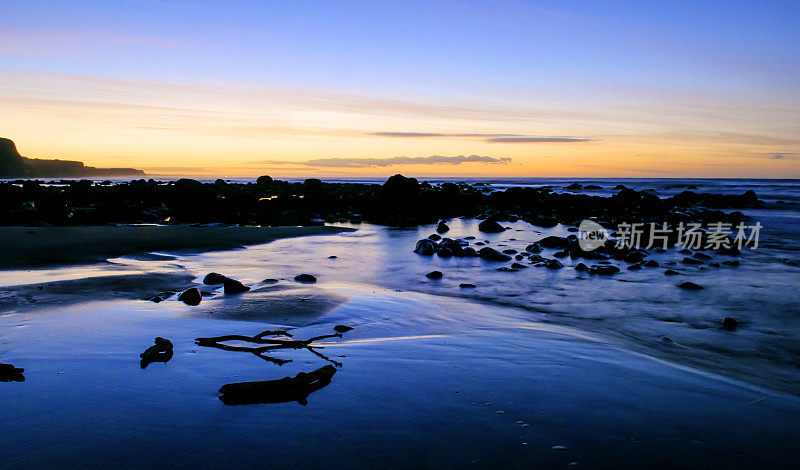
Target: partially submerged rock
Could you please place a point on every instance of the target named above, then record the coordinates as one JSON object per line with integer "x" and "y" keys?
{"x": 161, "y": 351}
{"x": 9, "y": 373}
{"x": 442, "y": 228}
{"x": 212, "y": 279}
{"x": 191, "y": 296}
{"x": 342, "y": 328}
{"x": 490, "y": 225}
{"x": 729, "y": 324}
{"x": 690, "y": 286}
{"x": 305, "y": 278}
{"x": 434, "y": 275}
{"x": 490, "y": 254}
{"x": 232, "y": 286}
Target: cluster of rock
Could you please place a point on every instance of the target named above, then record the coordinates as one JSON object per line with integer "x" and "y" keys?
{"x": 399, "y": 201}
{"x": 599, "y": 261}
{"x": 193, "y": 295}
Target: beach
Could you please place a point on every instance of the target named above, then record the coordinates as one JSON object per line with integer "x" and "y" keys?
{"x": 536, "y": 366}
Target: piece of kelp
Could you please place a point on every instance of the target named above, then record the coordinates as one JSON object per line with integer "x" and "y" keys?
{"x": 287, "y": 389}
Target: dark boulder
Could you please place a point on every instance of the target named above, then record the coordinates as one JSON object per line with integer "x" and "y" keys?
{"x": 729, "y": 324}
{"x": 519, "y": 266}
{"x": 690, "y": 286}
{"x": 434, "y": 275}
{"x": 442, "y": 228}
{"x": 691, "y": 261}
{"x": 467, "y": 286}
{"x": 425, "y": 247}
{"x": 554, "y": 264}
{"x": 232, "y": 286}
{"x": 703, "y": 256}
{"x": 671, "y": 272}
{"x": 212, "y": 279}
{"x": 552, "y": 242}
{"x": 604, "y": 269}
{"x": 580, "y": 267}
{"x": 342, "y": 328}
{"x": 490, "y": 254}
{"x": 191, "y": 296}
{"x": 9, "y": 373}
{"x": 732, "y": 263}
{"x": 435, "y": 237}
{"x": 490, "y": 225}
{"x": 305, "y": 278}
{"x": 651, "y": 263}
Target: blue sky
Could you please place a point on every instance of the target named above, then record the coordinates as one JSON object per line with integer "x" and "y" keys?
{"x": 582, "y": 58}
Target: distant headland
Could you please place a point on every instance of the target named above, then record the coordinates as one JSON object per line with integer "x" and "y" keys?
{"x": 14, "y": 165}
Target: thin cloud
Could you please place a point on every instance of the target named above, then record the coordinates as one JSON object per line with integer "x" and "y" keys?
{"x": 494, "y": 138}
{"x": 784, "y": 156}
{"x": 536, "y": 140}
{"x": 391, "y": 161}
{"x": 435, "y": 134}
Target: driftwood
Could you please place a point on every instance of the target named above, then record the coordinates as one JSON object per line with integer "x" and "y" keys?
{"x": 287, "y": 389}
{"x": 270, "y": 345}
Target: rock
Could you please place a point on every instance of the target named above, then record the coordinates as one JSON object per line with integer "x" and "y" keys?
{"x": 554, "y": 264}
{"x": 425, "y": 247}
{"x": 574, "y": 187}
{"x": 333, "y": 257}
{"x": 269, "y": 281}
{"x": 212, "y": 279}
{"x": 691, "y": 261}
{"x": 732, "y": 263}
{"x": 561, "y": 254}
{"x": 593, "y": 187}
{"x": 467, "y": 286}
{"x": 604, "y": 269}
{"x": 155, "y": 299}
{"x": 191, "y": 296}
{"x": 232, "y": 286}
{"x": 519, "y": 257}
{"x": 580, "y": 267}
{"x": 729, "y": 324}
{"x": 651, "y": 263}
{"x": 469, "y": 238}
{"x": 490, "y": 225}
{"x": 434, "y": 275}
{"x": 533, "y": 248}
{"x": 435, "y": 237}
{"x": 634, "y": 267}
{"x": 690, "y": 286}
{"x": 634, "y": 257}
{"x": 444, "y": 252}
{"x": 9, "y": 373}
{"x": 342, "y": 328}
{"x": 490, "y": 254}
{"x": 552, "y": 242}
{"x": 704, "y": 256}
{"x": 470, "y": 252}
{"x": 714, "y": 265}
{"x": 671, "y": 272}
{"x": 442, "y": 228}
{"x": 305, "y": 278}
{"x": 510, "y": 251}
{"x": 519, "y": 266}
{"x": 161, "y": 351}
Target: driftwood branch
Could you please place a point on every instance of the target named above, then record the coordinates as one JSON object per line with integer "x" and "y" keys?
{"x": 270, "y": 344}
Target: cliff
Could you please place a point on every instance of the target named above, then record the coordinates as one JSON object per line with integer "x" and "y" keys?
{"x": 14, "y": 165}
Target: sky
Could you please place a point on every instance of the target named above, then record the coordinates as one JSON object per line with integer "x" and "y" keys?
{"x": 424, "y": 88}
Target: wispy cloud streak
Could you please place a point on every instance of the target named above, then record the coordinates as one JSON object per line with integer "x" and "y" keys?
{"x": 391, "y": 161}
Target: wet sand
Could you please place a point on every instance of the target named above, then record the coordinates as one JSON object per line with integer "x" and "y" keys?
{"x": 425, "y": 382}
{"x": 25, "y": 247}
